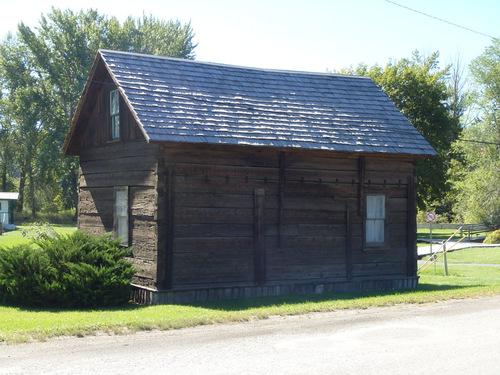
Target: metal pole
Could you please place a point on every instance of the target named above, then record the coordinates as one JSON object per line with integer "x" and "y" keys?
{"x": 430, "y": 229}
{"x": 445, "y": 261}
{"x": 430, "y": 237}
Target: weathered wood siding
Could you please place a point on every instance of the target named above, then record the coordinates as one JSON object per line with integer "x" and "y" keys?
{"x": 132, "y": 164}
{"x": 106, "y": 164}
{"x": 213, "y": 213}
{"x": 241, "y": 215}
{"x": 94, "y": 125}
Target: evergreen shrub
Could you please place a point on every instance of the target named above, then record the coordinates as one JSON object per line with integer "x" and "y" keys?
{"x": 493, "y": 237}
{"x": 71, "y": 271}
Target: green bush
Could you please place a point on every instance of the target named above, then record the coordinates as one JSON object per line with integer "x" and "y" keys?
{"x": 493, "y": 237}
{"x": 77, "y": 270}
{"x": 66, "y": 217}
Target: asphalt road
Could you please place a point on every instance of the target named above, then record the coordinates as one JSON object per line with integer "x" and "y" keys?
{"x": 453, "y": 337}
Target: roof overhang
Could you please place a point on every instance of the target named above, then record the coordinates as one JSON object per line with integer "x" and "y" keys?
{"x": 6, "y": 196}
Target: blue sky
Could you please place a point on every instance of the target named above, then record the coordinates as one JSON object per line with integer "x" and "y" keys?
{"x": 310, "y": 35}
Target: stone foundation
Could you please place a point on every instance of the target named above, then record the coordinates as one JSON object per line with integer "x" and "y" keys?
{"x": 144, "y": 295}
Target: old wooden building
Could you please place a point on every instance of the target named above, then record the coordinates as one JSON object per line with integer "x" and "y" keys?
{"x": 237, "y": 182}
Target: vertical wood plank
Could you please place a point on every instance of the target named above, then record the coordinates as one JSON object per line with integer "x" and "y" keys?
{"x": 361, "y": 186}
{"x": 161, "y": 191}
{"x": 348, "y": 243}
{"x": 259, "y": 239}
{"x": 169, "y": 227}
{"x": 281, "y": 196}
{"x": 412, "y": 225}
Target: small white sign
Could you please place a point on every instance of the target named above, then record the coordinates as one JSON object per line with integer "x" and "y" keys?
{"x": 430, "y": 217}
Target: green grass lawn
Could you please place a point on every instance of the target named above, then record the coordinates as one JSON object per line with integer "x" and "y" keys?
{"x": 482, "y": 255}
{"x": 22, "y": 325}
{"x": 437, "y": 234}
{"x": 15, "y": 237}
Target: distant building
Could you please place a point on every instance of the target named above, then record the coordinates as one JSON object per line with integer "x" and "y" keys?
{"x": 6, "y": 213}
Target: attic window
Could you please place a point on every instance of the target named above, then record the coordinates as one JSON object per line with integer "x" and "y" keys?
{"x": 114, "y": 112}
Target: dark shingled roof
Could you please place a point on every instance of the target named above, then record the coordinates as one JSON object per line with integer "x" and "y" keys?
{"x": 191, "y": 101}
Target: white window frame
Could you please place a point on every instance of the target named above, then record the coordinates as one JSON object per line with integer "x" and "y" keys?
{"x": 121, "y": 215}
{"x": 114, "y": 113}
{"x": 376, "y": 233}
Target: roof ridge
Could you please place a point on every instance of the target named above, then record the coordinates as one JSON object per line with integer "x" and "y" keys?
{"x": 223, "y": 65}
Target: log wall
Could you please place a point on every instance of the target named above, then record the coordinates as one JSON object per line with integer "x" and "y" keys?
{"x": 244, "y": 216}
{"x": 132, "y": 164}
{"x": 217, "y": 216}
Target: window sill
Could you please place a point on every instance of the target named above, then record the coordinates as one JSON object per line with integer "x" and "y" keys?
{"x": 376, "y": 247}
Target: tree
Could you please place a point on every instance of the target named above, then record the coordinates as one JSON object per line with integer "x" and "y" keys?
{"x": 476, "y": 177}
{"x": 21, "y": 113}
{"x": 7, "y": 146}
{"x": 55, "y": 59}
{"x": 420, "y": 91}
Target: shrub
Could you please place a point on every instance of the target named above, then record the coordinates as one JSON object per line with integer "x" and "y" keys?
{"x": 76, "y": 270}
{"x": 39, "y": 231}
{"x": 493, "y": 237}
{"x": 54, "y": 217}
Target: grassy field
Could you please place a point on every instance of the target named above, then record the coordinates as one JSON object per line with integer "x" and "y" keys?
{"x": 485, "y": 255}
{"x": 16, "y": 237}
{"x": 23, "y": 325}
{"x": 444, "y": 234}
{"x": 437, "y": 234}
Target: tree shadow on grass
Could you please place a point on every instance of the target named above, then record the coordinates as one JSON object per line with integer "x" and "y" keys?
{"x": 55, "y": 309}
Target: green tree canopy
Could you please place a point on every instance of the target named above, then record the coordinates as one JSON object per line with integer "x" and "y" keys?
{"x": 476, "y": 177}
{"x": 42, "y": 74}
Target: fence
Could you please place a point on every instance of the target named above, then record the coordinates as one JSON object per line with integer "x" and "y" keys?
{"x": 467, "y": 229}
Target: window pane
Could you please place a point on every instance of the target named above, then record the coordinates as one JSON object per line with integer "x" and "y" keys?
{"x": 122, "y": 230}
{"x": 114, "y": 110}
{"x": 375, "y": 207}
{"x": 374, "y": 231}
{"x": 115, "y": 127}
{"x": 375, "y": 218}
{"x": 114, "y": 102}
{"x": 121, "y": 219}
{"x": 121, "y": 203}
{"x": 379, "y": 231}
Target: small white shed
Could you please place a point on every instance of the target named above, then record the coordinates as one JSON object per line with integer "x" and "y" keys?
{"x": 5, "y": 197}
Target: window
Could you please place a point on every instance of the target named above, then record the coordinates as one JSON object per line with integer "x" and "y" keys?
{"x": 4, "y": 212}
{"x": 120, "y": 226}
{"x": 375, "y": 225}
{"x": 114, "y": 112}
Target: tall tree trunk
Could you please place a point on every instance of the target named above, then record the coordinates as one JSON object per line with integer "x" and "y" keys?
{"x": 22, "y": 185}
{"x": 32, "y": 190}
{"x": 4, "y": 176}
